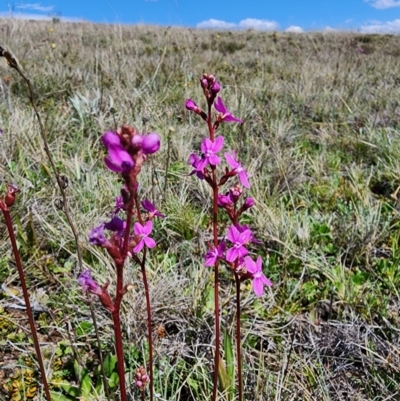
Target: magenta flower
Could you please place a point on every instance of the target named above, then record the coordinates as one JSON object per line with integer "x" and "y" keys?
{"x": 241, "y": 171}
{"x": 224, "y": 200}
{"x": 143, "y": 232}
{"x": 119, "y": 204}
{"x": 210, "y": 150}
{"x": 147, "y": 205}
{"x": 239, "y": 241}
{"x": 191, "y": 105}
{"x": 214, "y": 254}
{"x": 151, "y": 143}
{"x": 116, "y": 224}
{"x": 96, "y": 236}
{"x": 195, "y": 161}
{"x": 259, "y": 280}
{"x": 88, "y": 284}
{"x": 226, "y": 115}
{"x": 118, "y": 159}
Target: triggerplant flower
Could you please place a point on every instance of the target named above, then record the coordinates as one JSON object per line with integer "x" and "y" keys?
{"x": 118, "y": 159}
{"x": 96, "y": 236}
{"x": 88, "y": 284}
{"x": 214, "y": 254}
{"x": 143, "y": 232}
{"x": 147, "y": 205}
{"x": 259, "y": 280}
{"x": 241, "y": 171}
{"x": 151, "y": 143}
{"x": 195, "y": 162}
{"x": 239, "y": 241}
{"x": 210, "y": 150}
{"x": 225, "y": 115}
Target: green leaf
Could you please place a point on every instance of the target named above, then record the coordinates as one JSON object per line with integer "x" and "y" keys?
{"x": 86, "y": 383}
{"x": 230, "y": 364}
{"x": 114, "y": 381}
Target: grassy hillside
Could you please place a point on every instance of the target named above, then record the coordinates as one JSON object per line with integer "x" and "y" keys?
{"x": 322, "y": 139}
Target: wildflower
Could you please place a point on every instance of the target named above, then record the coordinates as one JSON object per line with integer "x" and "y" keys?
{"x": 241, "y": 171}
{"x": 88, "y": 284}
{"x": 214, "y": 254}
{"x": 239, "y": 240}
{"x": 210, "y": 150}
{"x": 248, "y": 203}
{"x": 259, "y": 280}
{"x": 96, "y": 236}
{"x": 116, "y": 224}
{"x": 224, "y": 200}
{"x": 143, "y": 233}
{"x": 225, "y": 114}
{"x": 147, "y": 205}
{"x": 141, "y": 378}
{"x": 118, "y": 159}
{"x": 119, "y": 204}
{"x": 191, "y": 105}
{"x": 151, "y": 143}
{"x": 195, "y": 161}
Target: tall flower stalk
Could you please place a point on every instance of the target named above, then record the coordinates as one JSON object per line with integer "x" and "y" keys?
{"x": 233, "y": 250}
{"x": 5, "y": 206}
{"x": 127, "y": 238}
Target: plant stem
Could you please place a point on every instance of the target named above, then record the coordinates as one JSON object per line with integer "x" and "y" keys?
{"x": 29, "y": 312}
{"x": 238, "y": 337}
{"x": 216, "y": 278}
{"x": 118, "y": 333}
{"x": 149, "y": 323}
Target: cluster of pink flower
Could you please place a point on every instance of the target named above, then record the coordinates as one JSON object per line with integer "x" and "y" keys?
{"x": 127, "y": 150}
{"x": 239, "y": 236}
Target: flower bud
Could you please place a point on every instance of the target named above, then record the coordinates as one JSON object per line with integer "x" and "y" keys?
{"x": 137, "y": 141}
{"x": 248, "y": 203}
{"x": 151, "y": 143}
{"x": 191, "y": 105}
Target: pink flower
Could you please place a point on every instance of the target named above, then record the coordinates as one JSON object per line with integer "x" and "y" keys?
{"x": 210, "y": 150}
{"x": 143, "y": 233}
{"x": 259, "y": 280}
{"x": 191, "y": 105}
{"x": 118, "y": 159}
{"x": 151, "y": 143}
{"x": 225, "y": 114}
{"x": 214, "y": 254}
{"x": 147, "y": 205}
{"x": 88, "y": 284}
{"x": 241, "y": 171}
{"x": 239, "y": 240}
{"x": 195, "y": 161}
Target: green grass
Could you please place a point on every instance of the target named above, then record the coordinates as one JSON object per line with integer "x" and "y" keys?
{"x": 321, "y": 138}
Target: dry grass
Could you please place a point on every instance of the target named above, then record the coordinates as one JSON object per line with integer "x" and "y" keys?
{"x": 321, "y": 138}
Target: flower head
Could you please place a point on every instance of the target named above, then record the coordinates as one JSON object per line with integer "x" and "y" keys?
{"x": 96, "y": 236}
{"x": 210, "y": 150}
{"x": 118, "y": 159}
{"x": 195, "y": 162}
{"x": 88, "y": 284}
{"x": 214, "y": 254}
{"x": 259, "y": 280}
{"x": 225, "y": 114}
{"x": 143, "y": 233}
{"x": 238, "y": 168}
{"x": 151, "y": 143}
{"x": 147, "y": 205}
{"x": 239, "y": 241}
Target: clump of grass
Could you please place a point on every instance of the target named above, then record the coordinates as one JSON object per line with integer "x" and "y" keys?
{"x": 321, "y": 139}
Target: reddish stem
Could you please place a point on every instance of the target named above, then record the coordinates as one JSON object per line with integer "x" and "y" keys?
{"x": 29, "y": 312}
{"x": 117, "y": 331}
{"x": 216, "y": 278}
{"x": 150, "y": 334}
{"x": 238, "y": 336}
